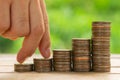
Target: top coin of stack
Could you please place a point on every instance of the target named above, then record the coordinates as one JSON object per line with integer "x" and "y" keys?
{"x": 101, "y": 29}
{"x": 62, "y": 60}
{"x": 81, "y": 54}
{"x": 101, "y": 46}
{"x": 43, "y": 65}
{"x": 23, "y": 67}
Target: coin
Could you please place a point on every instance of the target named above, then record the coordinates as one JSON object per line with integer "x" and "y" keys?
{"x": 80, "y": 45}
{"x": 101, "y": 24}
{"x": 101, "y": 39}
{"x": 103, "y": 58}
{"x": 100, "y": 49}
{"x": 81, "y": 62}
{"x": 61, "y": 66}
{"x": 81, "y": 40}
{"x": 61, "y": 52}
{"x": 81, "y": 70}
{"x": 63, "y": 59}
{"x": 82, "y": 66}
{"x": 101, "y": 67}
{"x": 23, "y": 67}
{"x": 78, "y": 55}
{"x": 61, "y": 56}
{"x": 43, "y": 70}
{"x": 101, "y": 70}
{"x": 99, "y": 29}
{"x": 81, "y": 48}
{"x": 101, "y": 42}
{"x": 102, "y": 64}
{"x": 87, "y": 58}
{"x": 80, "y": 51}
{"x": 103, "y": 34}
{"x": 62, "y": 69}
{"x": 101, "y": 46}
{"x": 101, "y": 54}
{"x": 62, "y": 63}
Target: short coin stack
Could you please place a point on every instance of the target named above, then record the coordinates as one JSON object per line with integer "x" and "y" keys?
{"x": 62, "y": 60}
{"x": 101, "y": 46}
{"x": 23, "y": 67}
{"x": 43, "y": 65}
{"x": 81, "y": 55}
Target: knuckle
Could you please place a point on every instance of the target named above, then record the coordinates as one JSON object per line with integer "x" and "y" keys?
{"x": 21, "y": 33}
{"x": 39, "y": 30}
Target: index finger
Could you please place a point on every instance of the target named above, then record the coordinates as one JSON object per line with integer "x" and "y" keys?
{"x": 31, "y": 42}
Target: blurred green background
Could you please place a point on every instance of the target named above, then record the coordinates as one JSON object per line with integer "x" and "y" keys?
{"x": 72, "y": 18}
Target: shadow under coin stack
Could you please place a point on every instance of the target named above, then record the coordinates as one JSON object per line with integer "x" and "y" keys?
{"x": 81, "y": 55}
{"x": 62, "y": 60}
{"x": 43, "y": 65}
{"x": 23, "y": 67}
{"x": 101, "y": 46}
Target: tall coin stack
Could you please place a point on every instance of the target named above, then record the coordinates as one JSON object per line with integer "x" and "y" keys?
{"x": 101, "y": 46}
{"x": 43, "y": 65}
{"x": 81, "y": 55}
{"x": 62, "y": 60}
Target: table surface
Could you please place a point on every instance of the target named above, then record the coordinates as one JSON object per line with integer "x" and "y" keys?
{"x": 7, "y": 71}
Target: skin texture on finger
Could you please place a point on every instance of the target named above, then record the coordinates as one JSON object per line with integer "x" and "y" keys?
{"x": 4, "y": 16}
{"x": 32, "y": 41}
{"x": 19, "y": 19}
{"x": 10, "y": 37}
{"x": 45, "y": 44}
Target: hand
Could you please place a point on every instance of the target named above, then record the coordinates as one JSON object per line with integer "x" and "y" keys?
{"x": 26, "y": 18}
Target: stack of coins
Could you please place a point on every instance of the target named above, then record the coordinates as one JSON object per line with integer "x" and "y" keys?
{"x": 62, "y": 60}
{"x": 101, "y": 46}
{"x": 81, "y": 55}
{"x": 23, "y": 67}
{"x": 43, "y": 65}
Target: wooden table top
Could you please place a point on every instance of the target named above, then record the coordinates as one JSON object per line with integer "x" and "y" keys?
{"x": 7, "y": 71}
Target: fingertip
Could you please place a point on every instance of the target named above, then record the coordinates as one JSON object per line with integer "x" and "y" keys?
{"x": 45, "y": 53}
{"x": 20, "y": 58}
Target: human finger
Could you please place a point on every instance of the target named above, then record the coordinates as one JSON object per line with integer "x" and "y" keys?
{"x": 44, "y": 45}
{"x": 32, "y": 41}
